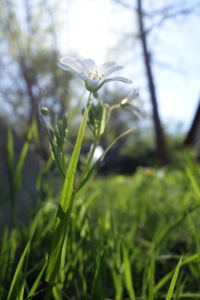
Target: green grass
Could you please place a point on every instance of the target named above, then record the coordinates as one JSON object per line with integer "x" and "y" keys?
{"x": 125, "y": 239}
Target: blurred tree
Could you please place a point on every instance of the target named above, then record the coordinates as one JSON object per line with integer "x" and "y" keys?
{"x": 156, "y": 18}
{"x": 28, "y": 65}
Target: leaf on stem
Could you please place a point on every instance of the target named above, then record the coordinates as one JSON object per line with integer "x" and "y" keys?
{"x": 64, "y": 210}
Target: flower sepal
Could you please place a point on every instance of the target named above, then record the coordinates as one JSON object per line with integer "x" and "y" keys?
{"x": 90, "y": 88}
{"x": 125, "y": 104}
{"x": 133, "y": 103}
{"x": 97, "y": 118}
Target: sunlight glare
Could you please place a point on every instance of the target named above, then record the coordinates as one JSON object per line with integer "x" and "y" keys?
{"x": 88, "y": 29}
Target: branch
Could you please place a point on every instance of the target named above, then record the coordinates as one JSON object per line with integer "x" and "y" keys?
{"x": 126, "y": 5}
{"x": 177, "y": 13}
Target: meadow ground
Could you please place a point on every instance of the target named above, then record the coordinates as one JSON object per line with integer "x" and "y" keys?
{"x": 126, "y": 237}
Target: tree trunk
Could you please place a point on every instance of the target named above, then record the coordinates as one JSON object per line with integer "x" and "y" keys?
{"x": 160, "y": 142}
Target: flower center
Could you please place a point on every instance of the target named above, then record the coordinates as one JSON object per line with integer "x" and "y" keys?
{"x": 94, "y": 76}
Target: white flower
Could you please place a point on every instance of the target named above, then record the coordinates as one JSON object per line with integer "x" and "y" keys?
{"x": 86, "y": 69}
{"x": 133, "y": 103}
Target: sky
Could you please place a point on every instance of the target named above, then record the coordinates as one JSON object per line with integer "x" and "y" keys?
{"x": 104, "y": 31}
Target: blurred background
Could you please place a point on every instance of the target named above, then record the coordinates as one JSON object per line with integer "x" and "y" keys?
{"x": 158, "y": 44}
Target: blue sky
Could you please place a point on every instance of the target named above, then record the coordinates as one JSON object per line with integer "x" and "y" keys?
{"x": 103, "y": 31}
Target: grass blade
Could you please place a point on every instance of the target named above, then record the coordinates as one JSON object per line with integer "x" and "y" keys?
{"x": 54, "y": 152}
{"x": 64, "y": 210}
{"x": 35, "y": 131}
{"x": 118, "y": 285}
{"x": 34, "y": 287}
{"x": 87, "y": 177}
{"x": 151, "y": 282}
{"x": 13, "y": 292}
{"x": 193, "y": 182}
{"x": 169, "y": 275}
{"x": 97, "y": 286}
{"x": 172, "y": 285}
{"x": 22, "y": 285}
{"x": 4, "y": 256}
{"x": 127, "y": 274}
{"x": 18, "y": 173}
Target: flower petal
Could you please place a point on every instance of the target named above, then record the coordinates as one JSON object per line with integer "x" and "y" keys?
{"x": 104, "y": 67}
{"x": 91, "y": 84}
{"x": 118, "y": 78}
{"x": 134, "y": 94}
{"x": 83, "y": 64}
{"x": 137, "y": 103}
{"x": 71, "y": 63}
{"x": 91, "y": 65}
{"x": 82, "y": 76}
{"x": 65, "y": 67}
{"x": 113, "y": 69}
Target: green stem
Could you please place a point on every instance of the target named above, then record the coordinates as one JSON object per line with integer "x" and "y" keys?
{"x": 64, "y": 212}
{"x": 63, "y": 160}
{"x": 110, "y": 109}
{"x": 88, "y": 164}
{"x": 48, "y": 292}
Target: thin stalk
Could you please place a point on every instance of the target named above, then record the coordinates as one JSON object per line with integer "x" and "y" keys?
{"x": 110, "y": 109}
{"x": 48, "y": 292}
{"x": 88, "y": 164}
{"x": 65, "y": 207}
{"x": 63, "y": 160}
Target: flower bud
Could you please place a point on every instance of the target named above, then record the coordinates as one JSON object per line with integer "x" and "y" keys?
{"x": 44, "y": 111}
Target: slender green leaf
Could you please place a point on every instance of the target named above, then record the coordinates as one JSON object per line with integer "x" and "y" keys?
{"x": 127, "y": 274}
{"x": 172, "y": 285}
{"x": 20, "y": 164}
{"x": 93, "y": 244}
{"x": 41, "y": 291}
{"x": 87, "y": 177}
{"x": 97, "y": 286}
{"x": 164, "y": 280}
{"x": 66, "y": 296}
{"x": 54, "y": 152}
{"x": 103, "y": 120}
{"x": 35, "y": 131}
{"x": 4, "y": 255}
{"x": 151, "y": 281}
{"x": 169, "y": 275}
{"x": 118, "y": 285}
{"x": 185, "y": 295}
{"x": 77, "y": 290}
{"x": 193, "y": 181}
{"x": 22, "y": 284}
{"x": 13, "y": 292}
{"x": 190, "y": 259}
{"x": 64, "y": 210}
{"x": 180, "y": 286}
{"x": 34, "y": 287}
